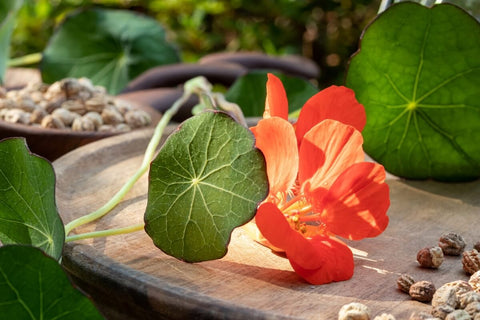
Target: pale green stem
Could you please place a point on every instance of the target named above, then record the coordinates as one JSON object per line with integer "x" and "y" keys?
{"x": 149, "y": 153}
{"x": 28, "y": 59}
{"x": 105, "y": 233}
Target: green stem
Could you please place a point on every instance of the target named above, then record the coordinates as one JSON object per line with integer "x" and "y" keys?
{"x": 149, "y": 153}
{"x": 105, "y": 233}
{"x": 28, "y": 59}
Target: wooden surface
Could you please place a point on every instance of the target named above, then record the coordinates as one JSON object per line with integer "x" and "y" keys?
{"x": 131, "y": 279}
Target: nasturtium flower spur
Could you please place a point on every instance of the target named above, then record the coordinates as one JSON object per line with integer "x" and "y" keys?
{"x": 320, "y": 185}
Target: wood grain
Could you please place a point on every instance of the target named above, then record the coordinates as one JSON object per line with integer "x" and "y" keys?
{"x": 129, "y": 278}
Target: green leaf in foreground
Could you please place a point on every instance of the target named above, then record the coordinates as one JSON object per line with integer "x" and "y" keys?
{"x": 207, "y": 179}
{"x": 111, "y": 47}
{"x": 8, "y": 12}
{"x": 34, "y": 286}
{"x": 419, "y": 83}
{"x": 28, "y": 213}
{"x": 249, "y": 92}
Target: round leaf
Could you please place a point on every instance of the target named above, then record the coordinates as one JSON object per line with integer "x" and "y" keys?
{"x": 34, "y": 286}
{"x": 110, "y": 47}
{"x": 249, "y": 92}
{"x": 28, "y": 213}
{"x": 207, "y": 179}
{"x": 419, "y": 83}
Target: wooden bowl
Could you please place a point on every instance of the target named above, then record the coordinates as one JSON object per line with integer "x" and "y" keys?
{"x": 53, "y": 143}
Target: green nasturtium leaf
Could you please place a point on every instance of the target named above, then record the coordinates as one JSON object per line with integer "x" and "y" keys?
{"x": 418, "y": 74}
{"x": 110, "y": 47}
{"x": 34, "y": 286}
{"x": 249, "y": 92}
{"x": 28, "y": 213}
{"x": 207, "y": 179}
{"x": 8, "y": 12}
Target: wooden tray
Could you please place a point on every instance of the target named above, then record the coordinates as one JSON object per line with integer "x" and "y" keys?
{"x": 129, "y": 278}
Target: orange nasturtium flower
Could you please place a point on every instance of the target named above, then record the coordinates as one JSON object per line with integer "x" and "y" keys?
{"x": 320, "y": 185}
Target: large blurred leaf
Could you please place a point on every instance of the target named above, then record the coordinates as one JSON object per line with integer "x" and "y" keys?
{"x": 8, "y": 12}
{"x": 110, "y": 47}
{"x": 249, "y": 92}
{"x": 418, "y": 74}
{"x": 28, "y": 213}
{"x": 207, "y": 179}
{"x": 34, "y": 286}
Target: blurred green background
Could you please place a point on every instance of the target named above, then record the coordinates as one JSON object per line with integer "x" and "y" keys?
{"x": 327, "y": 31}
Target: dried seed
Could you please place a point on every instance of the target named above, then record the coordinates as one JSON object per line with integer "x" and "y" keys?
{"x": 430, "y": 257}
{"x": 474, "y": 281}
{"x": 95, "y": 117}
{"x": 471, "y": 261}
{"x": 452, "y": 244}
{"x": 422, "y": 291}
{"x": 445, "y": 295}
{"x": 122, "y": 127}
{"x": 111, "y": 116}
{"x": 17, "y": 116}
{"x": 83, "y": 124}
{"x": 106, "y": 128}
{"x": 74, "y": 106}
{"x": 468, "y": 298}
{"x": 473, "y": 308}
{"x": 442, "y": 311}
{"x": 37, "y": 115}
{"x": 354, "y": 311}
{"x": 65, "y": 115}
{"x": 137, "y": 118}
{"x": 404, "y": 282}
{"x": 52, "y": 122}
{"x": 96, "y": 103}
{"x": 476, "y": 246}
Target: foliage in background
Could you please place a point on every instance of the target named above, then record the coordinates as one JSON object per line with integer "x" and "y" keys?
{"x": 326, "y": 31}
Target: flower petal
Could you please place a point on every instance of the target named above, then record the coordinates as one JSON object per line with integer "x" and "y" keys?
{"x": 337, "y": 261}
{"x": 275, "y": 137}
{"x": 336, "y": 103}
{"x": 276, "y": 103}
{"x": 328, "y": 149}
{"x": 275, "y": 228}
{"x": 355, "y": 207}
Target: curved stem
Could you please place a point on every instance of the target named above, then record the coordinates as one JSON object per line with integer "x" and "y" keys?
{"x": 105, "y": 233}
{"x": 25, "y": 60}
{"x": 149, "y": 153}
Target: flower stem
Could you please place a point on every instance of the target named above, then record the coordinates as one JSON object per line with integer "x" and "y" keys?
{"x": 149, "y": 153}
{"x": 105, "y": 233}
{"x": 25, "y": 60}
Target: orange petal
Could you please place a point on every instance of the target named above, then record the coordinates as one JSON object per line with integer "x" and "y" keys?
{"x": 336, "y": 103}
{"x": 276, "y": 103}
{"x": 356, "y": 205}
{"x": 275, "y": 137}
{"x": 328, "y": 149}
{"x": 337, "y": 261}
{"x": 274, "y": 227}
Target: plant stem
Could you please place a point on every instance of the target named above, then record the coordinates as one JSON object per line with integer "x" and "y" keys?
{"x": 149, "y": 153}
{"x": 105, "y": 233}
{"x": 25, "y": 60}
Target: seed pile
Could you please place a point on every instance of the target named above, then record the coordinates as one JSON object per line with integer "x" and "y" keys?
{"x": 70, "y": 104}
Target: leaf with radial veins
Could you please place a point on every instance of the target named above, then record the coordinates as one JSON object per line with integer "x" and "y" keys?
{"x": 207, "y": 179}
{"x": 418, "y": 74}
{"x": 34, "y": 286}
{"x": 110, "y": 47}
{"x": 28, "y": 213}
